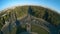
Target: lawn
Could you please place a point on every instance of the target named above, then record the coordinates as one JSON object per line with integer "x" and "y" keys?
{"x": 39, "y": 30}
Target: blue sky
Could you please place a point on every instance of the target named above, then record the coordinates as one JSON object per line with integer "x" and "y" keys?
{"x": 52, "y": 4}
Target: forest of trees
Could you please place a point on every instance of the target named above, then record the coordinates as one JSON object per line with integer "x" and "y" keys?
{"x": 40, "y": 12}
{"x": 47, "y": 14}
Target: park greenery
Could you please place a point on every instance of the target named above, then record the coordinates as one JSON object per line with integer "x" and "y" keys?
{"x": 46, "y": 14}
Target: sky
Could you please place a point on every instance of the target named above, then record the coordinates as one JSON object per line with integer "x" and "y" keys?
{"x": 52, "y": 4}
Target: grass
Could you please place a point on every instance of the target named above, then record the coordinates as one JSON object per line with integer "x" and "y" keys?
{"x": 39, "y": 30}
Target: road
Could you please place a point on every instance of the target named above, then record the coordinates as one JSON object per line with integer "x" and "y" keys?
{"x": 33, "y": 20}
{"x": 42, "y": 23}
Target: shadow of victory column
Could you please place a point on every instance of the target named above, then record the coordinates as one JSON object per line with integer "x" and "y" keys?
{"x": 14, "y": 24}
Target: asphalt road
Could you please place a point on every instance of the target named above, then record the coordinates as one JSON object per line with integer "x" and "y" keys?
{"x": 33, "y": 20}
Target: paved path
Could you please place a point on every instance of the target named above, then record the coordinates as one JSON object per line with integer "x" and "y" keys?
{"x": 36, "y": 21}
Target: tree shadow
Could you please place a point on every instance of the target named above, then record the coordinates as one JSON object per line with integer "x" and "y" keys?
{"x": 1, "y": 32}
{"x": 19, "y": 27}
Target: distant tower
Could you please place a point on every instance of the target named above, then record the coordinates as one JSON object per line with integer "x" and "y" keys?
{"x": 28, "y": 24}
